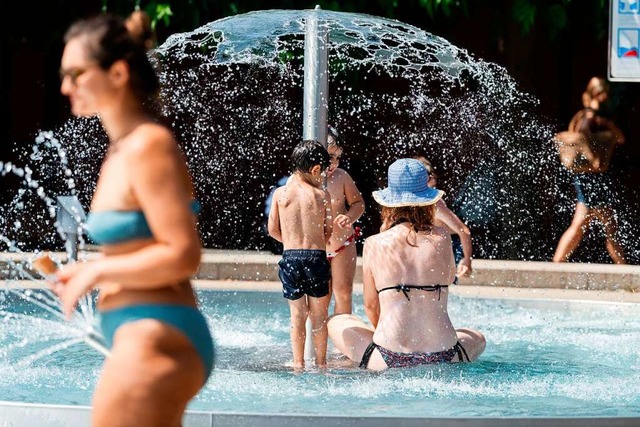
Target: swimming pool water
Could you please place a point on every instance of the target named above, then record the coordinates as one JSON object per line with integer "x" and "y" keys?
{"x": 543, "y": 359}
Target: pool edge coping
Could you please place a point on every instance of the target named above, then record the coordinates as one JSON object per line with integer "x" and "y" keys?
{"x": 13, "y": 414}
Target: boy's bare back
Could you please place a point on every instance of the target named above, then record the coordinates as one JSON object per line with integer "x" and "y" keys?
{"x": 301, "y": 215}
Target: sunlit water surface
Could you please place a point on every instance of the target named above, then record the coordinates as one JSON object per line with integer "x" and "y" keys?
{"x": 543, "y": 359}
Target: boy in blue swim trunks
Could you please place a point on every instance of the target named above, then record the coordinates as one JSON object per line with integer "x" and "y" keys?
{"x": 300, "y": 218}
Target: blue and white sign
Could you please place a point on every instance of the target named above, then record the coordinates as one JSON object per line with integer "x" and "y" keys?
{"x": 624, "y": 41}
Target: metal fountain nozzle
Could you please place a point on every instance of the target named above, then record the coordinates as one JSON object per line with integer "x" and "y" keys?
{"x": 69, "y": 217}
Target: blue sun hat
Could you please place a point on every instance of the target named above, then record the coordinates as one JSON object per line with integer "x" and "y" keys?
{"x": 407, "y": 186}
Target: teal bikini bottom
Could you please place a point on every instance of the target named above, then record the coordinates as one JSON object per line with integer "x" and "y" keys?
{"x": 188, "y": 320}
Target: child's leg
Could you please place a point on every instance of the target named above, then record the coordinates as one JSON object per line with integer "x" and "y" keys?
{"x": 299, "y": 312}
{"x": 319, "y": 308}
{"x": 343, "y": 270}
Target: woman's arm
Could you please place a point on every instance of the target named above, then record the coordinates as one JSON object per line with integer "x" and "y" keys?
{"x": 370, "y": 294}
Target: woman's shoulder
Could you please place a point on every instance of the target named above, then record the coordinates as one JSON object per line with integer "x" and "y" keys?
{"x": 374, "y": 238}
{"x": 383, "y": 238}
{"x": 150, "y": 138}
{"x": 441, "y": 232}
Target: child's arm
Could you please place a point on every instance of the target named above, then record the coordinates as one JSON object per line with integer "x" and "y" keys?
{"x": 274, "y": 218}
{"x": 328, "y": 215}
{"x": 354, "y": 199}
{"x": 456, "y": 226}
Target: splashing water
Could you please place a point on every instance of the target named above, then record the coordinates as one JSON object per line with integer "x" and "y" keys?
{"x": 233, "y": 93}
{"x": 38, "y": 337}
{"x": 38, "y": 325}
{"x": 543, "y": 359}
{"x": 395, "y": 91}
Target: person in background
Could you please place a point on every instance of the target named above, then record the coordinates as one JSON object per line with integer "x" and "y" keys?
{"x": 348, "y": 206}
{"x": 300, "y": 218}
{"x": 143, "y": 216}
{"x": 139, "y": 25}
{"x": 407, "y": 269}
{"x": 595, "y": 188}
{"x": 446, "y": 218}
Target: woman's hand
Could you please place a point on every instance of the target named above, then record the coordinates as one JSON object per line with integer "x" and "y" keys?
{"x": 74, "y": 281}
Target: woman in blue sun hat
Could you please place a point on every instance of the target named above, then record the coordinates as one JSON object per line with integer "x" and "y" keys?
{"x": 407, "y": 268}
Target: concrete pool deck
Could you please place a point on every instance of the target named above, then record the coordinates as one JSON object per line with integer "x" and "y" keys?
{"x": 248, "y": 270}
{"x": 238, "y": 270}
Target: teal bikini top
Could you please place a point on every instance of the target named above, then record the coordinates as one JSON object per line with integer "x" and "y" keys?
{"x": 110, "y": 227}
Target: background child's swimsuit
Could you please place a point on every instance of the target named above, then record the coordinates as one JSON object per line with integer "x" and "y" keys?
{"x": 357, "y": 232}
{"x": 110, "y": 227}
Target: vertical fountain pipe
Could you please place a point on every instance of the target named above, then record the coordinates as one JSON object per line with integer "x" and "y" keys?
{"x": 316, "y": 78}
{"x": 316, "y": 102}
{"x": 69, "y": 216}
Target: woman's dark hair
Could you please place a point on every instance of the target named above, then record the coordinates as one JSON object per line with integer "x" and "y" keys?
{"x": 139, "y": 25}
{"x": 307, "y": 154}
{"x": 108, "y": 41}
{"x": 420, "y": 218}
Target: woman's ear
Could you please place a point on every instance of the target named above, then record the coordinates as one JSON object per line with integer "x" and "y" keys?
{"x": 119, "y": 72}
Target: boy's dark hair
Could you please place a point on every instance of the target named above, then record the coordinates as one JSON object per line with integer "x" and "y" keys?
{"x": 307, "y": 154}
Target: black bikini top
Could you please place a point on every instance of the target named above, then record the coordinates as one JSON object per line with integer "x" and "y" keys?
{"x": 406, "y": 288}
